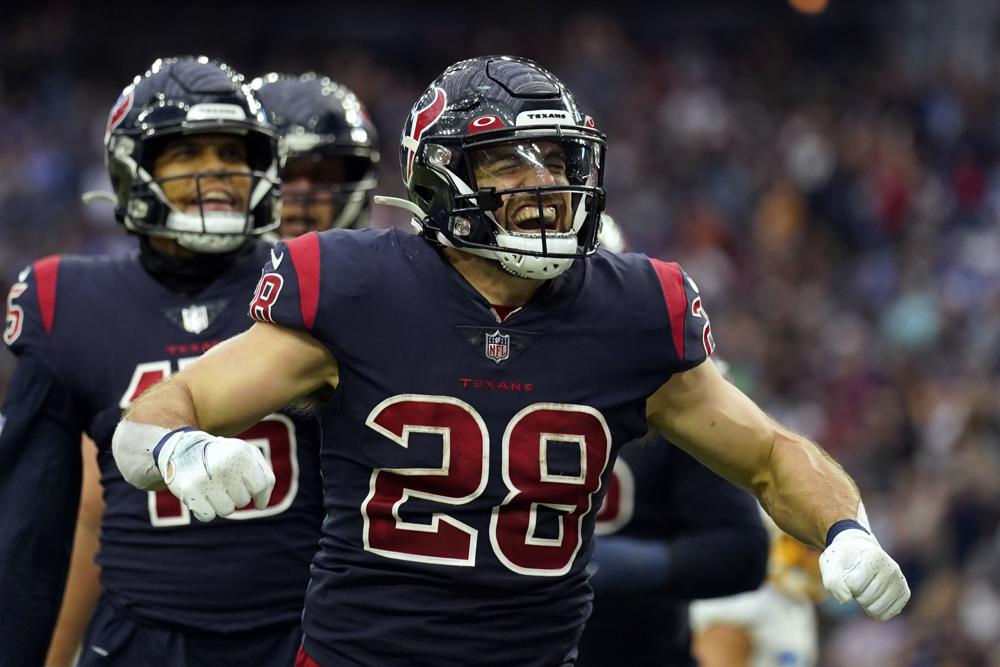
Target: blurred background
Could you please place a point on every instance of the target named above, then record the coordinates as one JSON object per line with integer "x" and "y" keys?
{"x": 827, "y": 170}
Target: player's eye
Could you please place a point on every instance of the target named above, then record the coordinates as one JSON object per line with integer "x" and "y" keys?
{"x": 233, "y": 153}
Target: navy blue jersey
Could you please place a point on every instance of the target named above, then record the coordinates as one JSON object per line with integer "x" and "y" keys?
{"x": 108, "y": 331}
{"x": 713, "y": 534}
{"x": 463, "y": 457}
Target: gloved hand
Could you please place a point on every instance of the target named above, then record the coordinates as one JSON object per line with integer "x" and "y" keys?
{"x": 211, "y": 475}
{"x": 854, "y": 565}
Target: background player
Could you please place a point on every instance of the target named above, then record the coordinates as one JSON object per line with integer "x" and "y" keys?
{"x": 194, "y": 165}
{"x": 331, "y": 140}
{"x": 774, "y": 626}
{"x": 669, "y": 531}
{"x": 488, "y": 376}
{"x": 330, "y": 151}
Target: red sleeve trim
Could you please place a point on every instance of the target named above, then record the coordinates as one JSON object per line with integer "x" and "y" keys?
{"x": 46, "y": 278}
{"x": 305, "y": 258}
{"x": 675, "y": 297}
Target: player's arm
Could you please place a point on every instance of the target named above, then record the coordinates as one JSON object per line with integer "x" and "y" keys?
{"x": 164, "y": 437}
{"x": 807, "y": 494}
{"x": 39, "y": 494}
{"x": 83, "y": 586}
{"x": 802, "y": 488}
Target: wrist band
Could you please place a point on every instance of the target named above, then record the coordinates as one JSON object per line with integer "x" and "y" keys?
{"x": 163, "y": 440}
{"x": 841, "y": 526}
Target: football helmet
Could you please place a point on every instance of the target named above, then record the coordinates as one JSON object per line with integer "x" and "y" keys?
{"x": 481, "y": 118}
{"x": 185, "y": 96}
{"x": 326, "y": 135}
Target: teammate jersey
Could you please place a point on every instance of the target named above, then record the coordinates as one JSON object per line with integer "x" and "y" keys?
{"x": 716, "y": 543}
{"x": 463, "y": 457}
{"x": 109, "y": 331}
{"x": 782, "y": 628}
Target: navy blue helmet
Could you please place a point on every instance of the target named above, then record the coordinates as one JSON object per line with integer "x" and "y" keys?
{"x": 508, "y": 111}
{"x": 329, "y": 147}
{"x": 189, "y": 96}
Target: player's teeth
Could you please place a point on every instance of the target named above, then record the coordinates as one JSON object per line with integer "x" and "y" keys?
{"x": 531, "y": 213}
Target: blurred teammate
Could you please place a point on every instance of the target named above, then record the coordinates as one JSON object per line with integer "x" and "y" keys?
{"x": 330, "y": 149}
{"x": 774, "y": 626}
{"x": 486, "y": 370}
{"x": 194, "y": 165}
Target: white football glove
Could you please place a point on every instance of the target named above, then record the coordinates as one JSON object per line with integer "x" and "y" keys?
{"x": 213, "y": 476}
{"x": 856, "y": 566}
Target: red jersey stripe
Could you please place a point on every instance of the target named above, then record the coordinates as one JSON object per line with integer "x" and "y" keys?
{"x": 305, "y": 258}
{"x": 672, "y": 284}
{"x": 46, "y": 277}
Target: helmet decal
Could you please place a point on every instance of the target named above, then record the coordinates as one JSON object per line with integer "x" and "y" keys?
{"x": 422, "y": 120}
{"x": 486, "y": 123}
{"x": 120, "y": 109}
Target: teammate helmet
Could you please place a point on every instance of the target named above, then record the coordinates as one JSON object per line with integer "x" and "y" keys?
{"x": 489, "y": 103}
{"x": 319, "y": 119}
{"x": 184, "y": 96}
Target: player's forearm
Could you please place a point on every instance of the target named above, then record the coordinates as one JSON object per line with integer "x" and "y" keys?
{"x": 160, "y": 410}
{"x": 803, "y": 489}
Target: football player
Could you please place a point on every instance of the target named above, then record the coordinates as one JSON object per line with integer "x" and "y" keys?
{"x": 194, "y": 165}
{"x": 774, "y": 626}
{"x": 487, "y": 371}
{"x": 331, "y": 159}
{"x": 330, "y": 152}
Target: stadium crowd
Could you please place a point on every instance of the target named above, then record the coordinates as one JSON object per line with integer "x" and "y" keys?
{"x": 839, "y": 210}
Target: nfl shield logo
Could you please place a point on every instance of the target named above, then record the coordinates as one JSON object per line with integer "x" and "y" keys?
{"x": 497, "y": 346}
{"x": 195, "y": 318}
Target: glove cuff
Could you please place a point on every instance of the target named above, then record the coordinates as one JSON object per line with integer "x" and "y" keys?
{"x": 841, "y": 526}
{"x": 158, "y": 450}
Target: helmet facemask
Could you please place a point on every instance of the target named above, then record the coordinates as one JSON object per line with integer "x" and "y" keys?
{"x": 530, "y": 199}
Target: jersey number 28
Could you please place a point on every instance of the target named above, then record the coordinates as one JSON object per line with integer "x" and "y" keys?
{"x": 534, "y": 485}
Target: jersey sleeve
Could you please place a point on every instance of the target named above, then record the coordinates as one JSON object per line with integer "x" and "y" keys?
{"x": 690, "y": 329}
{"x": 40, "y": 472}
{"x": 31, "y": 308}
{"x": 289, "y": 288}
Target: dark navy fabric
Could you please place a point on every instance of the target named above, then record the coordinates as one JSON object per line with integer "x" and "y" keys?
{"x": 39, "y": 449}
{"x": 115, "y": 639}
{"x": 502, "y": 436}
{"x": 715, "y": 538}
{"x": 107, "y": 330}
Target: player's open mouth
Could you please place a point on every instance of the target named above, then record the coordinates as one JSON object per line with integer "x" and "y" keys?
{"x": 527, "y": 219}
{"x": 214, "y": 200}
